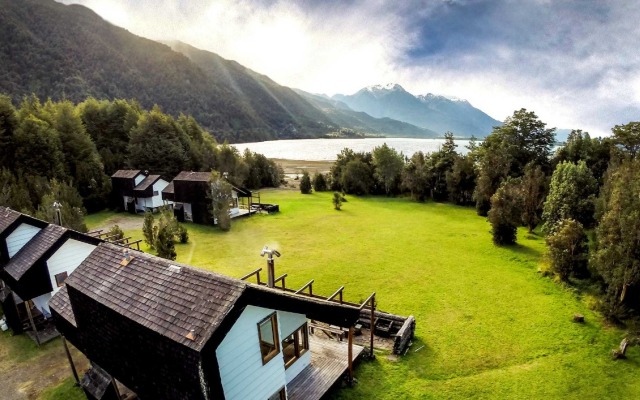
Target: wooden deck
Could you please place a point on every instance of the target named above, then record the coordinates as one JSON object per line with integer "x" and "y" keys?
{"x": 328, "y": 365}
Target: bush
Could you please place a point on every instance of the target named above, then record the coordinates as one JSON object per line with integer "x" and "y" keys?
{"x": 337, "y": 200}
{"x": 115, "y": 233}
{"x": 183, "y": 234}
{"x": 319, "y": 182}
{"x": 305, "y": 183}
{"x": 568, "y": 249}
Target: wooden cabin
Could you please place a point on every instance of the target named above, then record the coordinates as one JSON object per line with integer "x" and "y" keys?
{"x": 36, "y": 258}
{"x": 137, "y": 191}
{"x": 170, "y": 331}
{"x": 189, "y": 192}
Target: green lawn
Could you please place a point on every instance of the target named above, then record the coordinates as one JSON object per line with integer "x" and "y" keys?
{"x": 488, "y": 325}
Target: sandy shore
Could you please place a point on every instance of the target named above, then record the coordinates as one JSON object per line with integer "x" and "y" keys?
{"x": 294, "y": 168}
{"x": 299, "y": 166}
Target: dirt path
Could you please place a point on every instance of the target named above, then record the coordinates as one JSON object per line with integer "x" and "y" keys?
{"x": 124, "y": 221}
{"x": 45, "y": 367}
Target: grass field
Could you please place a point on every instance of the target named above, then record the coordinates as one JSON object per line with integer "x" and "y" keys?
{"x": 488, "y": 325}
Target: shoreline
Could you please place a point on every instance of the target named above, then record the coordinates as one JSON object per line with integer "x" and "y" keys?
{"x": 299, "y": 166}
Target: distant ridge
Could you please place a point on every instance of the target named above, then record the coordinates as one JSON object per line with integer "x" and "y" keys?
{"x": 437, "y": 113}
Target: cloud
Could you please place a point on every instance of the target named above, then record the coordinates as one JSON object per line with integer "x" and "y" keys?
{"x": 574, "y": 63}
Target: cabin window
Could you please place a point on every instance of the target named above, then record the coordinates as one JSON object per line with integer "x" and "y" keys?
{"x": 279, "y": 395}
{"x": 295, "y": 345}
{"x": 155, "y": 193}
{"x": 60, "y": 278}
{"x": 268, "y": 334}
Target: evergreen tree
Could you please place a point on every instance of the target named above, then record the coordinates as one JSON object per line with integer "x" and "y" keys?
{"x": 440, "y": 165}
{"x": 533, "y": 190}
{"x": 221, "y": 197}
{"x": 571, "y": 195}
{"x": 568, "y": 249}
{"x": 82, "y": 161}
{"x": 319, "y": 182}
{"x": 305, "y": 183}
{"x": 387, "y": 163}
{"x": 147, "y": 229}
{"x": 38, "y": 150}
{"x": 357, "y": 177}
{"x": 617, "y": 253}
{"x": 461, "y": 180}
{"x": 8, "y": 126}
{"x": 156, "y": 145}
{"x": 414, "y": 177}
{"x": 505, "y": 212}
{"x": 521, "y": 140}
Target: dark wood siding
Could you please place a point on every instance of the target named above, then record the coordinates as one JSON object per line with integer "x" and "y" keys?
{"x": 150, "y": 364}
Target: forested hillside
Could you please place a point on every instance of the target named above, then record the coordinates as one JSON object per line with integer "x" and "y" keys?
{"x": 68, "y": 52}
{"x": 63, "y": 152}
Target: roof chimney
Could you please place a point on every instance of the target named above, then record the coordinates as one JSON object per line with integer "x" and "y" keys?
{"x": 127, "y": 258}
{"x": 270, "y": 264}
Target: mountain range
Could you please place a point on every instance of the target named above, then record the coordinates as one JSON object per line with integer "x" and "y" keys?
{"x": 67, "y": 51}
{"x": 438, "y": 113}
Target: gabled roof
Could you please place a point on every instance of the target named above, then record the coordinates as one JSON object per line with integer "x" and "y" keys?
{"x": 147, "y": 182}
{"x": 169, "y": 189}
{"x": 126, "y": 173}
{"x": 172, "y": 299}
{"x": 63, "y": 306}
{"x": 35, "y": 248}
{"x": 193, "y": 176}
{"x": 7, "y": 217}
{"x": 165, "y": 297}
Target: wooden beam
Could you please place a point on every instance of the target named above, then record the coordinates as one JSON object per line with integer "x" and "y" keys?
{"x": 364, "y": 304}
{"x": 128, "y": 245}
{"x": 280, "y": 278}
{"x": 73, "y": 367}
{"x": 95, "y": 233}
{"x": 338, "y": 292}
{"x": 110, "y": 237}
{"x": 373, "y": 316}
{"x": 350, "y": 355}
{"x": 249, "y": 275}
{"x": 307, "y": 285}
{"x": 33, "y": 325}
{"x": 123, "y": 240}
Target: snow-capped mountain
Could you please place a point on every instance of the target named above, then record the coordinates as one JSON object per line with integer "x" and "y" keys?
{"x": 435, "y": 112}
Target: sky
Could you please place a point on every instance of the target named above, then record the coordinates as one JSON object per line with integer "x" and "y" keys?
{"x": 575, "y": 63}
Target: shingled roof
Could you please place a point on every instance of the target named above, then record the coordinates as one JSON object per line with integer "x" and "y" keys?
{"x": 7, "y": 217}
{"x": 193, "y": 176}
{"x": 63, "y": 306}
{"x": 169, "y": 188}
{"x": 146, "y": 182}
{"x": 126, "y": 173}
{"x": 35, "y": 248}
{"x": 168, "y": 298}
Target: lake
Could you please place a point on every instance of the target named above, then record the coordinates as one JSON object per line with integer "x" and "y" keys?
{"x": 328, "y": 149}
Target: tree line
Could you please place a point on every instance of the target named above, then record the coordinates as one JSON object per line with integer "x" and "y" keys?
{"x": 590, "y": 187}
{"x": 60, "y": 151}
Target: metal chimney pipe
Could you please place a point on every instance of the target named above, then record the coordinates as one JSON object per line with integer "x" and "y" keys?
{"x": 270, "y": 264}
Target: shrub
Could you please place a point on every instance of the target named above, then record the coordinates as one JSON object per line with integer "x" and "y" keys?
{"x": 337, "y": 200}
{"x": 568, "y": 249}
{"x": 319, "y": 182}
{"x": 305, "y": 183}
{"x": 115, "y": 233}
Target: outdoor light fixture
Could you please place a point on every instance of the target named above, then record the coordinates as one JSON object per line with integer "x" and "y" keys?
{"x": 58, "y": 216}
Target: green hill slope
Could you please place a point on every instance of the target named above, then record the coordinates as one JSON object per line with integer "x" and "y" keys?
{"x": 58, "y": 51}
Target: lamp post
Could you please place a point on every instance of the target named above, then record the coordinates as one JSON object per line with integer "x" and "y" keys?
{"x": 58, "y": 215}
{"x": 270, "y": 264}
